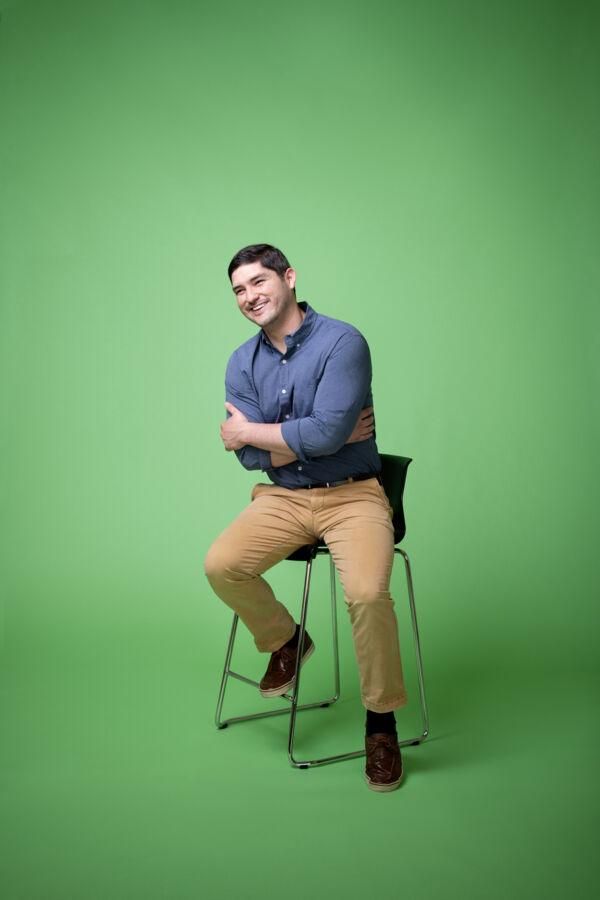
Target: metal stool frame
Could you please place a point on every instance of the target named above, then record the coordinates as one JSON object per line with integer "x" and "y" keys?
{"x": 292, "y": 697}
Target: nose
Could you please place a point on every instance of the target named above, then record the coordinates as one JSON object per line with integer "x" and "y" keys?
{"x": 252, "y": 294}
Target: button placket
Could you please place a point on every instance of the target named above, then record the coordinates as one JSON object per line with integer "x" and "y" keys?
{"x": 284, "y": 397}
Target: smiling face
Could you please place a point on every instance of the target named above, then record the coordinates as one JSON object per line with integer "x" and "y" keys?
{"x": 264, "y": 296}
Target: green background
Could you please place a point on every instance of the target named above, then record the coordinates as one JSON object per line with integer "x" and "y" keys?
{"x": 431, "y": 170}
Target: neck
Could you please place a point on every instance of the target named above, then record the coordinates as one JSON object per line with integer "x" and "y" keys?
{"x": 290, "y": 323}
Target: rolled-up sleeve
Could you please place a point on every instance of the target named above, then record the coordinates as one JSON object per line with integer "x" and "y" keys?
{"x": 339, "y": 398}
{"x": 240, "y": 392}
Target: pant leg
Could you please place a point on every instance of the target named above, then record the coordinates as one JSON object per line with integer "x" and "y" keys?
{"x": 357, "y": 528}
{"x": 276, "y": 523}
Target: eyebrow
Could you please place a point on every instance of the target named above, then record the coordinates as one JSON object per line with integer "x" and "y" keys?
{"x": 254, "y": 278}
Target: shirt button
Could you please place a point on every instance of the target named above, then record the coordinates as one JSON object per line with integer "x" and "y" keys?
{"x": 283, "y": 362}
{"x": 299, "y": 468}
{"x": 287, "y": 415}
{"x": 297, "y": 345}
{"x": 283, "y": 391}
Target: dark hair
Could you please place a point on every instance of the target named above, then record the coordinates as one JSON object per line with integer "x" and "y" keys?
{"x": 269, "y": 256}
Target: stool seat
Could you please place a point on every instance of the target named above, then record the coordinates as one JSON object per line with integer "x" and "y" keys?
{"x": 308, "y": 551}
{"x": 394, "y": 469}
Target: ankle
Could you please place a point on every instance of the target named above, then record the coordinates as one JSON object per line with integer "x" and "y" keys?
{"x": 293, "y": 641}
{"x": 380, "y": 723}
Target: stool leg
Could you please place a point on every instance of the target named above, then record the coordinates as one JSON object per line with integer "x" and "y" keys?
{"x": 334, "y": 631}
{"x": 417, "y": 642}
{"x": 226, "y": 669}
{"x": 296, "y": 686}
{"x": 228, "y": 673}
{"x": 308, "y": 763}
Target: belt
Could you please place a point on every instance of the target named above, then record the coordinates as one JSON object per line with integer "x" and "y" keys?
{"x": 330, "y": 484}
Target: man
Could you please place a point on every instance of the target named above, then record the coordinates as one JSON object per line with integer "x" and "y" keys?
{"x": 299, "y": 407}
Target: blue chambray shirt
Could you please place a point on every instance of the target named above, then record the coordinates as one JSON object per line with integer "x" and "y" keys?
{"x": 316, "y": 390}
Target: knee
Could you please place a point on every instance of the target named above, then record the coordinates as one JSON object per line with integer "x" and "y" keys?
{"x": 216, "y": 563}
{"x": 220, "y": 564}
{"x": 365, "y": 593}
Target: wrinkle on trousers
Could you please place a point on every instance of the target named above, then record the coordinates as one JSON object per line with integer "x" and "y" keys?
{"x": 355, "y": 521}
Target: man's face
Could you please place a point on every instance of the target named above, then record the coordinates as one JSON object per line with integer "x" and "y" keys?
{"x": 263, "y": 296}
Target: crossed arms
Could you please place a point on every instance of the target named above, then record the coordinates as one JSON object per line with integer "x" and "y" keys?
{"x": 336, "y": 419}
{"x": 237, "y": 432}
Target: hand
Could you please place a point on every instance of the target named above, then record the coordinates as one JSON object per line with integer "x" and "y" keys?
{"x": 232, "y": 429}
{"x": 364, "y": 427}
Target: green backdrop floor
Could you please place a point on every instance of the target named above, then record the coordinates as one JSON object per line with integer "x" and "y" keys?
{"x": 117, "y": 785}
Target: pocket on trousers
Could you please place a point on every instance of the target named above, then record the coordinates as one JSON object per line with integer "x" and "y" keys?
{"x": 259, "y": 489}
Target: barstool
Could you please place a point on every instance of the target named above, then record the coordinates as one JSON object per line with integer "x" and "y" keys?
{"x": 394, "y": 470}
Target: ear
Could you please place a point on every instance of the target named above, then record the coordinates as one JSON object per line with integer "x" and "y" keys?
{"x": 290, "y": 278}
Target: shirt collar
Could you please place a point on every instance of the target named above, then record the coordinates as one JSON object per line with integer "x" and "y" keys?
{"x": 300, "y": 335}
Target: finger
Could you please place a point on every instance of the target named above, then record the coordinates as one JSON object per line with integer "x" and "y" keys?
{"x": 231, "y": 408}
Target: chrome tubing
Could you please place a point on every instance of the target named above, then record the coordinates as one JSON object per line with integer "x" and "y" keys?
{"x": 418, "y": 656}
{"x": 301, "y": 636}
{"x": 228, "y": 656}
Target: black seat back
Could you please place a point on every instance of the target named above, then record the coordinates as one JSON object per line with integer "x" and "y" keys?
{"x": 393, "y": 471}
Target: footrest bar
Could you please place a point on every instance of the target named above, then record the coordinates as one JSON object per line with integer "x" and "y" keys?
{"x": 312, "y": 763}
{"x": 356, "y": 754}
{"x": 243, "y": 678}
{"x": 271, "y": 712}
{"x": 408, "y": 742}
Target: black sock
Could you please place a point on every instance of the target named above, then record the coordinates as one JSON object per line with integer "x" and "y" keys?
{"x": 293, "y": 641}
{"x": 381, "y": 723}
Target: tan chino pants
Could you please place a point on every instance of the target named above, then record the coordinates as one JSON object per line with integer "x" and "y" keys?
{"x": 354, "y": 519}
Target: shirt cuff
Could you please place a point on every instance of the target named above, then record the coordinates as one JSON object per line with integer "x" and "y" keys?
{"x": 290, "y": 432}
{"x": 264, "y": 457}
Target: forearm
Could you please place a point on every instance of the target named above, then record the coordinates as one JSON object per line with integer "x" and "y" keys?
{"x": 268, "y": 437}
{"x": 281, "y": 458}
{"x": 254, "y": 457}
{"x": 318, "y": 434}
{"x": 265, "y": 437}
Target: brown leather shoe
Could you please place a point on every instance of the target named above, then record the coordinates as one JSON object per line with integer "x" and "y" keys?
{"x": 383, "y": 771}
{"x": 280, "y": 674}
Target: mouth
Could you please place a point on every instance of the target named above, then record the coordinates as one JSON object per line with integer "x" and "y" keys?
{"x": 258, "y": 307}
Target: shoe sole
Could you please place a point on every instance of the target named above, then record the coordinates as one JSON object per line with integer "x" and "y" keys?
{"x": 284, "y": 688}
{"x": 382, "y": 788}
